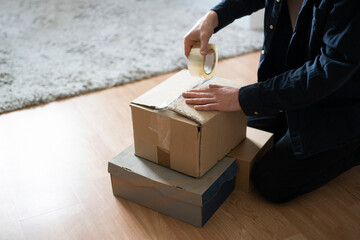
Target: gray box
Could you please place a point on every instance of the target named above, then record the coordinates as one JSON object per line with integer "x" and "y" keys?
{"x": 193, "y": 200}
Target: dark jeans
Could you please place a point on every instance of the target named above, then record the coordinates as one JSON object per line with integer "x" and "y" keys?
{"x": 280, "y": 177}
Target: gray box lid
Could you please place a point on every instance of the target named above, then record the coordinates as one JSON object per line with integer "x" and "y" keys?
{"x": 196, "y": 191}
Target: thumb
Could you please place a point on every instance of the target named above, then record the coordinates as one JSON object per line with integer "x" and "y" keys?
{"x": 203, "y": 48}
{"x": 204, "y": 41}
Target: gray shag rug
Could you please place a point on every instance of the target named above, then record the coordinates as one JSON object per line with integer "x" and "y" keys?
{"x": 51, "y": 49}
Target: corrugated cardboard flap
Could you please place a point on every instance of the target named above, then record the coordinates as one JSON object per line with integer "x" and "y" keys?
{"x": 167, "y": 91}
{"x": 168, "y": 94}
{"x": 173, "y": 184}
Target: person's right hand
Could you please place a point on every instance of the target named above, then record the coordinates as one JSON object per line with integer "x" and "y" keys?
{"x": 201, "y": 32}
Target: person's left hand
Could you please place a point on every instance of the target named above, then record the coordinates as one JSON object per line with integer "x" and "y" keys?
{"x": 219, "y": 98}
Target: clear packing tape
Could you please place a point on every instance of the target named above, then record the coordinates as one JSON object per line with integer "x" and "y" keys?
{"x": 199, "y": 66}
{"x": 160, "y": 124}
{"x": 202, "y": 66}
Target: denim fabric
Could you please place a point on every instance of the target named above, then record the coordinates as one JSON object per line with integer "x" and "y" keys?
{"x": 312, "y": 73}
{"x": 280, "y": 177}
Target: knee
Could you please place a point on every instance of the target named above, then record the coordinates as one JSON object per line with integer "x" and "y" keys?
{"x": 270, "y": 184}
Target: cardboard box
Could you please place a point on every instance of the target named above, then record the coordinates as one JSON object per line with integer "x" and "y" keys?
{"x": 252, "y": 149}
{"x": 178, "y": 136}
{"x": 193, "y": 200}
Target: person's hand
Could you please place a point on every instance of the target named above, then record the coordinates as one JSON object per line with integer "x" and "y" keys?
{"x": 201, "y": 32}
{"x": 219, "y": 98}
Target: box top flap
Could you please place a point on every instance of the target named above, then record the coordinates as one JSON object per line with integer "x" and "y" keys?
{"x": 254, "y": 142}
{"x": 168, "y": 94}
{"x": 164, "y": 93}
{"x": 198, "y": 190}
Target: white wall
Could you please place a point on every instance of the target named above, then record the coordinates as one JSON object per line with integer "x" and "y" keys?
{"x": 254, "y": 21}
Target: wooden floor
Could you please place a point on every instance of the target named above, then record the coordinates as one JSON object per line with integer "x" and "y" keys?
{"x": 54, "y": 182}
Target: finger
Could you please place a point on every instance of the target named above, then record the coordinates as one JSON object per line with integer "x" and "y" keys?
{"x": 215, "y": 86}
{"x": 196, "y": 95}
{"x": 201, "y": 101}
{"x": 207, "y": 107}
{"x": 187, "y": 47}
{"x": 187, "y": 50}
{"x": 204, "y": 47}
{"x": 210, "y": 51}
{"x": 203, "y": 90}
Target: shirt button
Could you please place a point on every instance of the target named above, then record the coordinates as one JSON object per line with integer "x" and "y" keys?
{"x": 256, "y": 113}
{"x": 271, "y": 27}
{"x": 262, "y": 52}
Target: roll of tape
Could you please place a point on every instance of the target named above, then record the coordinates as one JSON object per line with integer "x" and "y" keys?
{"x": 202, "y": 66}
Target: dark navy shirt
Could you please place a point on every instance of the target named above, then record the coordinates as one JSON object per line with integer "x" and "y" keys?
{"x": 311, "y": 73}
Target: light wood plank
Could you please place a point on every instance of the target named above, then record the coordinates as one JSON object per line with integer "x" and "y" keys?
{"x": 327, "y": 213}
{"x": 54, "y": 181}
{"x": 351, "y": 181}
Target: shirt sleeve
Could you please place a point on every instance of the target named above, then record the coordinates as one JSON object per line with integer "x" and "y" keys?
{"x": 229, "y": 10}
{"x": 333, "y": 67}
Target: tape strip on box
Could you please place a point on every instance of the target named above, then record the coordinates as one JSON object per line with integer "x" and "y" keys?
{"x": 161, "y": 126}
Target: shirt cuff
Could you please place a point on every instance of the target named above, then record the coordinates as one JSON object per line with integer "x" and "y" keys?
{"x": 251, "y": 103}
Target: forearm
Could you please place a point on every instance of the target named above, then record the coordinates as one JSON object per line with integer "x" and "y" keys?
{"x": 212, "y": 18}
{"x": 297, "y": 88}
